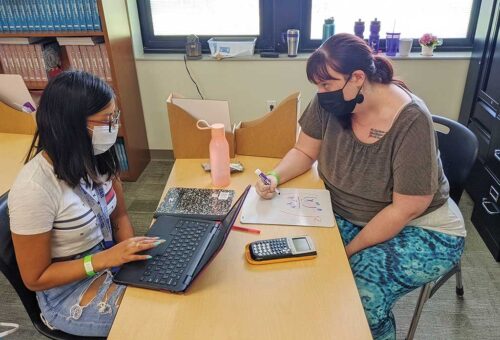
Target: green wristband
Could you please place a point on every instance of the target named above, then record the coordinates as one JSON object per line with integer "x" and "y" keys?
{"x": 275, "y": 174}
{"x": 87, "y": 264}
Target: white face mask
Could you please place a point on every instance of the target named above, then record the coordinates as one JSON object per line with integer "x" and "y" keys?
{"x": 102, "y": 139}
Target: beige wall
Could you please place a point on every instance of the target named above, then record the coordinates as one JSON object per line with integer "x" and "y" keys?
{"x": 247, "y": 84}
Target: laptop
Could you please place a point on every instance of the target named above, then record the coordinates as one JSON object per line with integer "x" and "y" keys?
{"x": 190, "y": 245}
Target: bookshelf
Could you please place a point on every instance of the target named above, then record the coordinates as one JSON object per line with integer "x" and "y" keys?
{"x": 118, "y": 45}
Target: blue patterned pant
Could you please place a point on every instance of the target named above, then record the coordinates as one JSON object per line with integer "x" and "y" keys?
{"x": 389, "y": 270}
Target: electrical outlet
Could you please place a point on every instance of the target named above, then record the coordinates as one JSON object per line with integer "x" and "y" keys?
{"x": 271, "y": 104}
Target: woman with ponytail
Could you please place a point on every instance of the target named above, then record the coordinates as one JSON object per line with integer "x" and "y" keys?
{"x": 377, "y": 154}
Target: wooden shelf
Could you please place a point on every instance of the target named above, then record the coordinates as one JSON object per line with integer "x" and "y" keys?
{"x": 53, "y": 34}
{"x": 118, "y": 42}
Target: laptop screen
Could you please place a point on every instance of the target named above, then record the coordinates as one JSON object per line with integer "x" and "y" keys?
{"x": 221, "y": 236}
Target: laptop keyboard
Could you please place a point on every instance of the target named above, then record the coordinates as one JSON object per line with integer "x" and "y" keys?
{"x": 166, "y": 268}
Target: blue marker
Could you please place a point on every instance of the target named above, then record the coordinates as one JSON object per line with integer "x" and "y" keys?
{"x": 265, "y": 179}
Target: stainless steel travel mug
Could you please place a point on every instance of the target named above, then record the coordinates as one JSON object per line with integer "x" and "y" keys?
{"x": 292, "y": 38}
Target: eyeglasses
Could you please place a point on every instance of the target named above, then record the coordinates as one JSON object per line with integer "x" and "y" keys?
{"x": 114, "y": 120}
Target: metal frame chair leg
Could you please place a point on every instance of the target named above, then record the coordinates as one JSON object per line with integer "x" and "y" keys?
{"x": 460, "y": 287}
{"x": 424, "y": 296}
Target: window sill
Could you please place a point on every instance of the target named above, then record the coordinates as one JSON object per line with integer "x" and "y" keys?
{"x": 300, "y": 57}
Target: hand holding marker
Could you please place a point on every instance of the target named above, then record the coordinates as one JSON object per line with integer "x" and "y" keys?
{"x": 265, "y": 179}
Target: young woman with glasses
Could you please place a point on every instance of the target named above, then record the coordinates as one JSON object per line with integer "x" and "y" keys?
{"x": 69, "y": 224}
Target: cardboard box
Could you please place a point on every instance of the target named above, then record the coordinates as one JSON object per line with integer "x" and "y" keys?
{"x": 272, "y": 135}
{"x": 187, "y": 140}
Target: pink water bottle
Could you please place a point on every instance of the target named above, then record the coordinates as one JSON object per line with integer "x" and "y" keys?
{"x": 219, "y": 157}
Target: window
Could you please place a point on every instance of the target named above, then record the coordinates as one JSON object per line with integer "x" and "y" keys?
{"x": 166, "y": 23}
{"x": 205, "y": 17}
{"x": 444, "y": 18}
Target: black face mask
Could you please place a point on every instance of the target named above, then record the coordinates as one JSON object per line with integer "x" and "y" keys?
{"x": 335, "y": 103}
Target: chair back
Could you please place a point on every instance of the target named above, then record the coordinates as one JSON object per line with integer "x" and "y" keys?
{"x": 8, "y": 266}
{"x": 458, "y": 149}
{"x": 8, "y": 263}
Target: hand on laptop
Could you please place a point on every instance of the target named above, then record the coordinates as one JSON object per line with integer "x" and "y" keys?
{"x": 126, "y": 251}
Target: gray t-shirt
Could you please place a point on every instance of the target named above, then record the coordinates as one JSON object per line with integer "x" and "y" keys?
{"x": 362, "y": 177}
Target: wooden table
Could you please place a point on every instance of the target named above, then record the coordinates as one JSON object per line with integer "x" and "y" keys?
{"x": 231, "y": 299}
{"x": 13, "y": 151}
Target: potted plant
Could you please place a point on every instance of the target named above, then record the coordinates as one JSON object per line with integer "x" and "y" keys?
{"x": 429, "y": 42}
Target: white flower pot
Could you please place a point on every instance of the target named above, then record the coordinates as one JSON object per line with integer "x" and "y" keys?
{"x": 427, "y": 51}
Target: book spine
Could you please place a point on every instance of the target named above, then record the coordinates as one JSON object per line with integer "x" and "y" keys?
{"x": 41, "y": 62}
{"x": 15, "y": 16}
{"x": 33, "y": 8}
{"x": 48, "y": 15}
{"x": 10, "y": 59}
{"x": 70, "y": 20}
{"x": 107, "y": 66}
{"x": 29, "y": 63}
{"x": 81, "y": 13}
{"x": 79, "y": 58}
{"x": 85, "y": 58}
{"x": 96, "y": 20}
{"x": 3, "y": 17}
{"x": 93, "y": 61}
{"x": 30, "y": 20}
{"x": 10, "y": 16}
{"x": 100, "y": 62}
{"x": 54, "y": 13}
{"x": 42, "y": 16}
{"x": 3, "y": 60}
{"x": 71, "y": 57}
{"x": 22, "y": 62}
{"x": 61, "y": 14}
{"x": 36, "y": 65}
{"x": 22, "y": 16}
{"x": 88, "y": 15}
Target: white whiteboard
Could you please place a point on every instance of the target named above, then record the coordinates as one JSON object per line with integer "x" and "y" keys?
{"x": 303, "y": 207}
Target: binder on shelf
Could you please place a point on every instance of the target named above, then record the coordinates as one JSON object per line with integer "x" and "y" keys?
{"x": 187, "y": 140}
{"x": 15, "y": 15}
{"x": 35, "y": 15}
{"x": 272, "y": 135}
{"x": 96, "y": 20}
{"x": 88, "y": 15}
{"x": 42, "y": 16}
{"x": 23, "y": 16}
{"x": 81, "y": 15}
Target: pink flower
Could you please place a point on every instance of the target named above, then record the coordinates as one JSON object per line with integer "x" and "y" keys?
{"x": 429, "y": 40}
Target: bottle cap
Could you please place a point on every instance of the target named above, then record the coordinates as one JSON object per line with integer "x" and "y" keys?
{"x": 329, "y": 20}
{"x": 217, "y": 129}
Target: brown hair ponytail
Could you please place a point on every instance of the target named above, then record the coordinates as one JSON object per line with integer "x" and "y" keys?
{"x": 346, "y": 53}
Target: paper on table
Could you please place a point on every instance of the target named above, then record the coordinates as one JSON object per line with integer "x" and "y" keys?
{"x": 14, "y": 93}
{"x": 303, "y": 207}
{"x": 213, "y": 111}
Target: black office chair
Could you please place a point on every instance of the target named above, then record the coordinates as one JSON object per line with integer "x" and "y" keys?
{"x": 8, "y": 266}
{"x": 458, "y": 150}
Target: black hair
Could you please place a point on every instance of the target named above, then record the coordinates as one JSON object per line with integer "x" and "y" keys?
{"x": 62, "y": 133}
